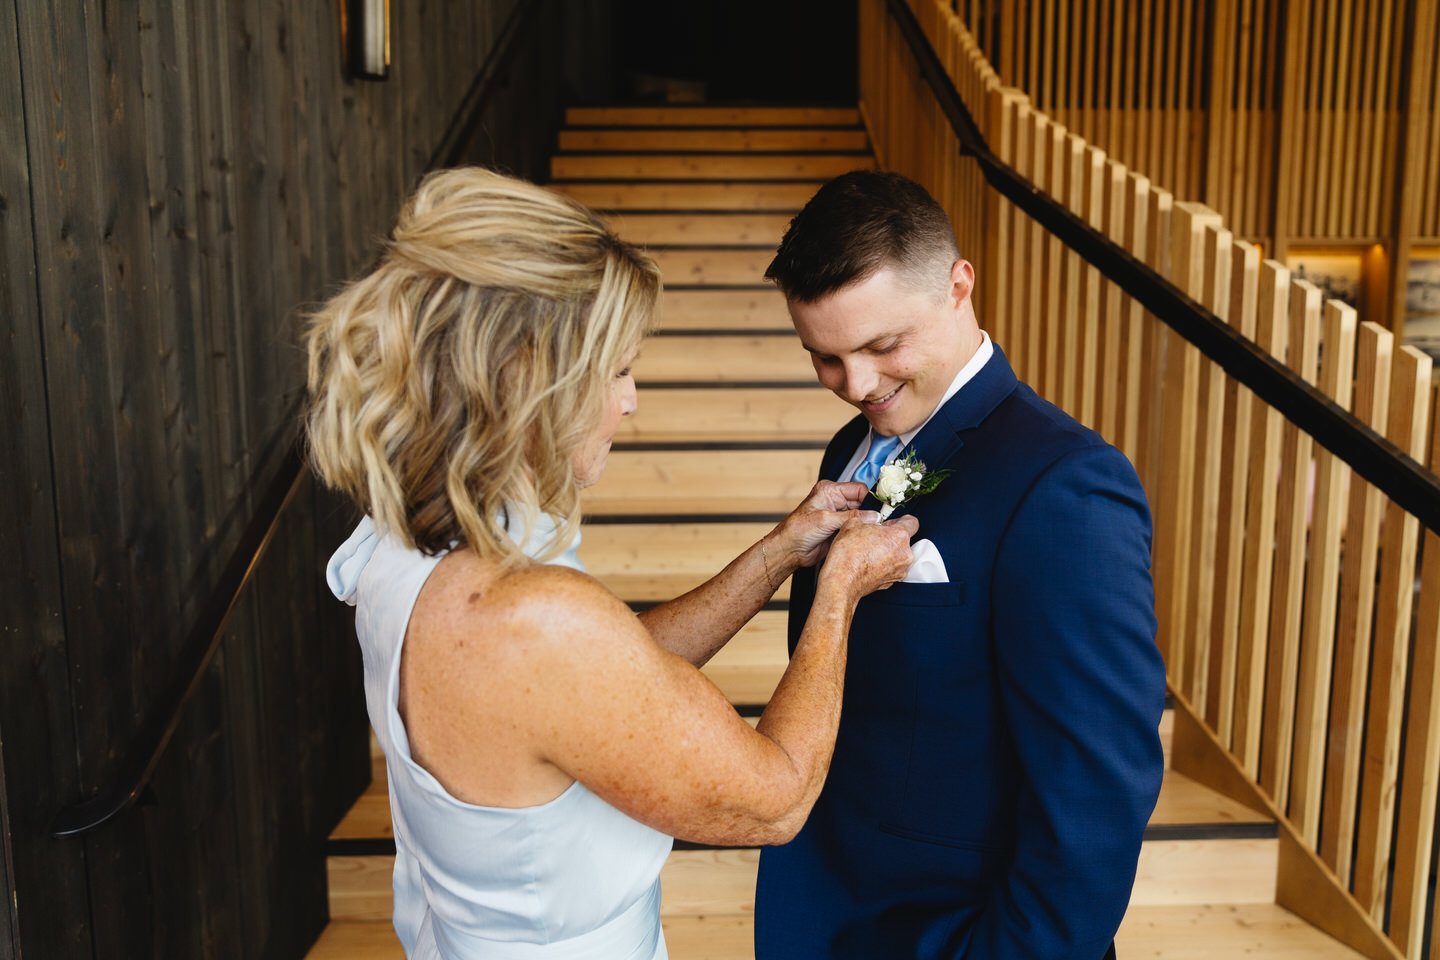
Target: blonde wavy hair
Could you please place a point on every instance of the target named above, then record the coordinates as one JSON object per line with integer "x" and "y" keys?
{"x": 454, "y": 382}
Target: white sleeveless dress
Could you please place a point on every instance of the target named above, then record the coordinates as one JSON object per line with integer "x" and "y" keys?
{"x": 568, "y": 879}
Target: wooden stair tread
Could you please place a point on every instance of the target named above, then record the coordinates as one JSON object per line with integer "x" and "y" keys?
{"x": 624, "y": 556}
{"x": 357, "y": 940}
{"x": 748, "y": 667}
{"x": 705, "y": 166}
{"x": 1224, "y": 931}
{"x": 696, "y": 229}
{"x": 717, "y": 266}
{"x": 719, "y": 116}
{"x": 723, "y": 359}
{"x": 720, "y": 415}
{"x": 1189, "y": 932}
{"x": 669, "y": 139}
{"x": 752, "y": 663}
{"x": 683, "y": 195}
{"x": 702, "y": 481}
{"x": 724, "y": 309}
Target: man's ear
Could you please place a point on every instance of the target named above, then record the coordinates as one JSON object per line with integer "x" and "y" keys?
{"x": 962, "y": 282}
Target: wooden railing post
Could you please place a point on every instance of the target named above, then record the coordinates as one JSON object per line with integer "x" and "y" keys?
{"x": 1415, "y": 833}
{"x": 1272, "y": 333}
{"x": 1359, "y": 557}
{"x": 1322, "y": 584}
{"x": 1289, "y": 583}
{"x": 1409, "y": 427}
{"x": 1219, "y": 703}
{"x": 1213, "y": 293}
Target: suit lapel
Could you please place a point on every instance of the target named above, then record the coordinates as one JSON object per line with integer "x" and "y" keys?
{"x": 943, "y": 436}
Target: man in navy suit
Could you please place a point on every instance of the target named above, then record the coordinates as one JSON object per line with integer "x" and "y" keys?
{"x": 998, "y": 755}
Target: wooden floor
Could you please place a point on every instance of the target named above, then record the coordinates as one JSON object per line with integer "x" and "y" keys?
{"x": 727, "y": 438}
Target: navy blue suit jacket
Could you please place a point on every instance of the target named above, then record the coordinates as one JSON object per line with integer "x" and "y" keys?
{"x": 998, "y": 755}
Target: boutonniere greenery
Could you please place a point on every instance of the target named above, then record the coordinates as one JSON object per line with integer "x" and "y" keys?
{"x": 903, "y": 481}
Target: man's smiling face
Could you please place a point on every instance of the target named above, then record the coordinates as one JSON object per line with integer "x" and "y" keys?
{"x": 889, "y": 347}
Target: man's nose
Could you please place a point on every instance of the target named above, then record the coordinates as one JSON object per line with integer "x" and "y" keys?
{"x": 860, "y": 380}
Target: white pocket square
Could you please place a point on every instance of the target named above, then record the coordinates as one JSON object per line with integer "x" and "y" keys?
{"x": 925, "y": 565}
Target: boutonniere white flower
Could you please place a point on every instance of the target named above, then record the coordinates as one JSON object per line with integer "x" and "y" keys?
{"x": 903, "y": 481}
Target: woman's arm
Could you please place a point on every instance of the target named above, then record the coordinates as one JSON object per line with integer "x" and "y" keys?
{"x": 557, "y": 674}
{"x": 697, "y": 624}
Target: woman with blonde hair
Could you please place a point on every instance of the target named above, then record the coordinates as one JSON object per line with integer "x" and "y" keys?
{"x": 543, "y": 743}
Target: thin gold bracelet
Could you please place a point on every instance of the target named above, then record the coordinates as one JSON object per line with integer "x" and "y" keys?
{"x": 765, "y": 562}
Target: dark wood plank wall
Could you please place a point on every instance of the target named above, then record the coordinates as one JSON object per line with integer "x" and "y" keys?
{"x": 177, "y": 181}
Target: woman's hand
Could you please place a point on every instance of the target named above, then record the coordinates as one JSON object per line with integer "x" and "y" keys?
{"x": 804, "y": 536}
{"x": 866, "y": 555}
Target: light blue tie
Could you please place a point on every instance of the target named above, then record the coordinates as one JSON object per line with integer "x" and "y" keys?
{"x": 869, "y": 468}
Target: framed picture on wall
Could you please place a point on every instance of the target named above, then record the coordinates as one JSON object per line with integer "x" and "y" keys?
{"x": 1422, "y": 302}
{"x": 1338, "y": 274}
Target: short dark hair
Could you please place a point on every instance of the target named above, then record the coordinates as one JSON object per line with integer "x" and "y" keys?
{"x": 856, "y": 225}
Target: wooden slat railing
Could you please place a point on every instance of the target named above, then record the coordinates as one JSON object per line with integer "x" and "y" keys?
{"x": 1299, "y": 614}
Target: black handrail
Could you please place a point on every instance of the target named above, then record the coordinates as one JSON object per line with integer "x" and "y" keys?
{"x": 1374, "y": 458}
{"x": 133, "y": 774}
{"x": 132, "y": 777}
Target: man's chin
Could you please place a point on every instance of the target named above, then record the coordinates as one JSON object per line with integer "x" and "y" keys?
{"x": 890, "y": 423}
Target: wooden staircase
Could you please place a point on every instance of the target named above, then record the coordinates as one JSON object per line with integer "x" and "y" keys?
{"x": 727, "y": 438}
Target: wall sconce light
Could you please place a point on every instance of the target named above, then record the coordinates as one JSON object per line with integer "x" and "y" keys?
{"x": 365, "y": 33}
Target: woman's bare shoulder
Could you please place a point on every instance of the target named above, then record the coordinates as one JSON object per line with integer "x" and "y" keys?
{"x": 468, "y": 598}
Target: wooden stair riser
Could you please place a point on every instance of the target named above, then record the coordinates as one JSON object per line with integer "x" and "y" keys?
{"x": 624, "y": 557}
{"x": 702, "y": 482}
{"x": 710, "y": 266}
{"x": 706, "y": 229}
{"x": 712, "y": 117}
{"x": 739, "y": 311}
{"x": 722, "y": 415}
{"x": 734, "y": 358}
{"x": 682, "y": 195}
{"x": 770, "y": 140}
{"x": 700, "y": 166}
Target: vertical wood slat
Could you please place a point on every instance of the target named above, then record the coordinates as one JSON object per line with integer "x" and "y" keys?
{"x": 1359, "y": 557}
{"x": 1176, "y": 498}
{"x": 1091, "y": 201}
{"x": 1053, "y": 347}
{"x": 1215, "y": 242}
{"x": 1322, "y": 584}
{"x": 1272, "y": 333}
{"x": 1342, "y": 180}
{"x": 1369, "y": 114}
{"x": 1415, "y": 832}
{"x": 998, "y": 210}
{"x": 1219, "y": 704}
{"x": 1111, "y": 371}
{"x": 1024, "y": 313}
{"x": 1038, "y": 250}
{"x": 1297, "y": 447}
{"x": 1409, "y": 412}
{"x": 1219, "y": 141}
{"x": 1072, "y": 296}
{"x": 1135, "y": 217}
{"x": 1159, "y": 207}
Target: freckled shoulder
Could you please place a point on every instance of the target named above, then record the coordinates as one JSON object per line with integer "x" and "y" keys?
{"x": 470, "y": 597}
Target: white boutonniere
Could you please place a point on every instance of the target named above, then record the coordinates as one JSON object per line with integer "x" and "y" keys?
{"x": 903, "y": 481}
